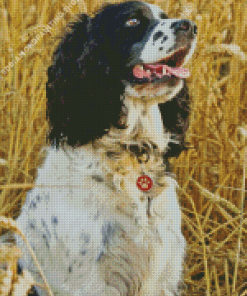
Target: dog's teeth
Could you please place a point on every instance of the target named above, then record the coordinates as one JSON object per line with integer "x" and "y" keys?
{"x": 141, "y": 67}
{"x": 164, "y": 71}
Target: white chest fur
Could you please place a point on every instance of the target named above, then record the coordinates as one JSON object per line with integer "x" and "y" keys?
{"x": 79, "y": 224}
{"x": 144, "y": 119}
{"x": 83, "y": 193}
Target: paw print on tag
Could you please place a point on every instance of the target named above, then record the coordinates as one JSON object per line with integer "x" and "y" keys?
{"x": 144, "y": 183}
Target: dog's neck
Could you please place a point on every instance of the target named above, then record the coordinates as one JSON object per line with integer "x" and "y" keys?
{"x": 143, "y": 125}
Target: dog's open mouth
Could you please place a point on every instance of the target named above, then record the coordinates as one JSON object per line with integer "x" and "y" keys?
{"x": 170, "y": 66}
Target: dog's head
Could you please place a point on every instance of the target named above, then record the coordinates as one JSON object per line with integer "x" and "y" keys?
{"x": 148, "y": 48}
{"x": 127, "y": 51}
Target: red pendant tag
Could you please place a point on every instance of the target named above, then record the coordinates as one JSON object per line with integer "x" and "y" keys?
{"x": 144, "y": 183}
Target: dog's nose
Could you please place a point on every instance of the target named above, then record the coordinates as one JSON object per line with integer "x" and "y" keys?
{"x": 184, "y": 26}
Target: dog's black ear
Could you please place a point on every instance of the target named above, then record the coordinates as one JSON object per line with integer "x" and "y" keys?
{"x": 69, "y": 50}
{"x": 83, "y": 93}
{"x": 175, "y": 114}
{"x": 63, "y": 71}
{"x": 65, "y": 59}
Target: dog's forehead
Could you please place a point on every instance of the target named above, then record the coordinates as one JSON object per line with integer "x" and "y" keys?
{"x": 148, "y": 10}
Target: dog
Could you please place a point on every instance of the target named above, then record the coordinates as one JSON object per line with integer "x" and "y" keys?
{"x": 104, "y": 217}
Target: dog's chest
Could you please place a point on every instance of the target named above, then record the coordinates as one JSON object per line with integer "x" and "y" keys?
{"x": 141, "y": 176}
{"x": 82, "y": 194}
{"x": 128, "y": 182}
{"x": 133, "y": 185}
{"x": 121, "y": 182}
{"x": 138, "y": 181}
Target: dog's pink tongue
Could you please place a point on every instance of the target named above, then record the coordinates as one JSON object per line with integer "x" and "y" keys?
{"x": 178, "y": 71}
{"x": 138, "y": 72}
{"x": 160, "y": 70}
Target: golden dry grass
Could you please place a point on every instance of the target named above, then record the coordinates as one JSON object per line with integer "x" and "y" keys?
{"x": 211, "y": 174}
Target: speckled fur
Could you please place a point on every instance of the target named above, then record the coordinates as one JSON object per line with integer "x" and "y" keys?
{"x": 93, "y": 237}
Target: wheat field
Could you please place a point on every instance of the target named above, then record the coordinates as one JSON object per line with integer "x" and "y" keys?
{"x": 211, "y": 174}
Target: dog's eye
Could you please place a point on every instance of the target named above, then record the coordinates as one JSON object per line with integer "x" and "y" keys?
{"x": 132, "y": 22}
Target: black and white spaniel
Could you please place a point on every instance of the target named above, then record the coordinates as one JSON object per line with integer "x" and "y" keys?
{"x": 104, "y": 219}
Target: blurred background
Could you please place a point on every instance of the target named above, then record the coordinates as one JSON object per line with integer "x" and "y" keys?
{"x": 211, "y": 174}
